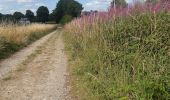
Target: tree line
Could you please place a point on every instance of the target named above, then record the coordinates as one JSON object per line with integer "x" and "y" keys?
{"x": 16, "y": 16}
{"x": 64, "y": 12}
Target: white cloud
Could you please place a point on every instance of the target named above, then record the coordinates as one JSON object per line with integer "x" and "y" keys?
{"x": 11, "y": 11}
{"x": 40, "y": 4}
{"x": 102, "y": 5}
{"x": 20, "y": 1}
{"x": 1, "y": 8}
{"x": 33, "y": 10}
{"x": 28, "y": 5}
{"x": 97, "y": 5}
{"x": 24, "y": 1}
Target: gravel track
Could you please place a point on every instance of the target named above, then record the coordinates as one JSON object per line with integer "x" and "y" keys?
{"x": 42, "y": 76}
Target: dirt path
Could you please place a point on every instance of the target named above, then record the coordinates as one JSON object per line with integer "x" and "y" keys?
{"x": 11, "y": 63}
{"x": 42, "y": 76}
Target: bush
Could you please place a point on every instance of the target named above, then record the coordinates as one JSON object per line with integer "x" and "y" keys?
{"x": 123, "y": 57}
{"x": 66, "y": 19}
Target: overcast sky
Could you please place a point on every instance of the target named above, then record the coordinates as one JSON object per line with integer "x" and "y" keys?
{"x": 10, "y": 6}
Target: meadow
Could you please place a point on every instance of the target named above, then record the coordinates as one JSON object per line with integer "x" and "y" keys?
{"x": 121, "y": 54}
{"x": 13, "y": 37}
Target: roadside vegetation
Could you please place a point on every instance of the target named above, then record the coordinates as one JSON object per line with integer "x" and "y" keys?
{"x": 13, "y": 37}
{"x": 121, "y": 54}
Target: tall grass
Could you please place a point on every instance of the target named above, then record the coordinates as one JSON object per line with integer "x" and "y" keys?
{"x": 122, "y": 54}
{"x": 13, "y": 36}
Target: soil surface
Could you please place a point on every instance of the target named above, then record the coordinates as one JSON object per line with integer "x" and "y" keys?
{"x": 38, "y": 72}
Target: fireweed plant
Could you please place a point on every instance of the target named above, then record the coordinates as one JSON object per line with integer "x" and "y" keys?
{"x": 121, "y": 54}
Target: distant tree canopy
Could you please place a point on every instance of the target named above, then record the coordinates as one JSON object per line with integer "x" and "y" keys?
{"x": 67, "y": 8}
{"x": 42, "y": 14}
{"x": 119, "y": 3}
{"x": 8, "y": 18}
{"x": 1, "y": 15}
{"x": 52, "y": 16}
{"x": 30, "y": 15}
{"x": 65, "y": 19}
{"x": 18, "y": 15}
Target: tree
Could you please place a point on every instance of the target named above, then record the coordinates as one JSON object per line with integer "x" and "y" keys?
{"x": 30, "y": 15}
{"x": 1, "y": 15}
{"x": 119, "y": 3}
{"x": 8, "y": 17}
{"x": 67, "y": 7}
{"x": 52, "y": 17}
{"x": 42, "y": 14}
{"x": 65, "y": 19}
{"x": 18, "y": 15}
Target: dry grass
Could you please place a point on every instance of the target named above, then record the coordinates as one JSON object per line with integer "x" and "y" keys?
{"x": 13, "y": 37}
{"x": 19, "y": 34}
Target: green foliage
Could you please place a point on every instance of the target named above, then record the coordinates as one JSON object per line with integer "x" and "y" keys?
{"x": 66, "y": 19}
{"x": 67, "y": 7}
{"x": 7, "y": 18}
{"x": 52, "y": 16}
{"x": 126, "y": 58}
{"x": 42, "y": 14}
{"x": 119, "y": 3}
{"x": 18, "y": 15}
{"x": 30, "y": 15}
{"x": 1, "y": 15}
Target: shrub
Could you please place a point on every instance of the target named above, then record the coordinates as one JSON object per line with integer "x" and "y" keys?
{"x": 66, "y": 19}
